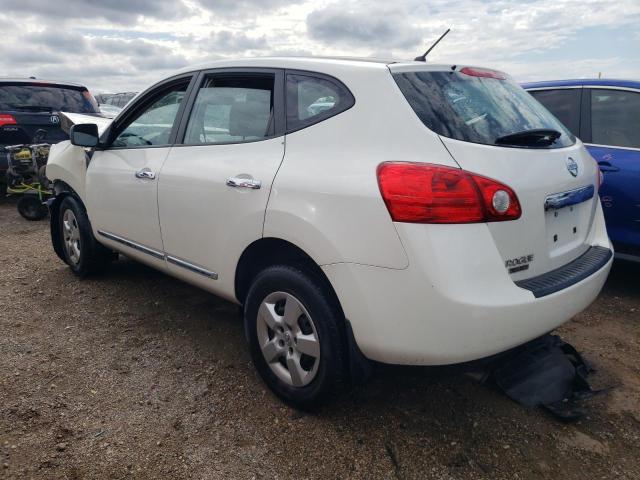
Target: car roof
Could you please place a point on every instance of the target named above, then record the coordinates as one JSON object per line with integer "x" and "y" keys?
{"x": 37, "y": 81}
{"x": 601, "y": 82}
{"x": 302, "y": 63}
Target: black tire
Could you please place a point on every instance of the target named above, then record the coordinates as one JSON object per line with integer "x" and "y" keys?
{"x": 32, "y": 208}
{"x": 310, "y": 291}
{"x": 93, "y": 257}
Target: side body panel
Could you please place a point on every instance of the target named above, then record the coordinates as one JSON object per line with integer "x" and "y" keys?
{"x": 325, "y": 198}
{"x": 121, "y": 204}
{"x": 204, "y": 221}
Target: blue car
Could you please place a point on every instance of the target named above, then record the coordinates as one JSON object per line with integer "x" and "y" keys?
{"x": 605, "y": 114}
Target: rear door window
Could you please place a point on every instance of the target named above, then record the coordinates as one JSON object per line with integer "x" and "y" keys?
{"x": 564, "y": 104}
{"x": 312, "y": 98}
{"x": 41, "y": 97}
{"x": 232, "y": 109}
{"x": 478, "y": 108}
{"x": 615, "y": 118}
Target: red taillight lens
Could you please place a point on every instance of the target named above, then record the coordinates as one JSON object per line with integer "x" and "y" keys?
{"x": 6, "y": 119}
{"x": 425, "y": 193}
{"x": 483, "y": 72}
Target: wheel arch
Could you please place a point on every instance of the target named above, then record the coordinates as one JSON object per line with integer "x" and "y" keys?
{"x": 61, "y": 190}
{"x": 270, "y": 251}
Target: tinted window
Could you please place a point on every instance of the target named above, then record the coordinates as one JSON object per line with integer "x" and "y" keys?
{"x": 48, "y": 98}
{"x": 615, "y": 118}
{"x": 231, "y": 110}
{"x": 312, "y": 99}
{"x": 153, "y": 126}
{"x": 476, "y": 109}
{"x": 564, "y": 104}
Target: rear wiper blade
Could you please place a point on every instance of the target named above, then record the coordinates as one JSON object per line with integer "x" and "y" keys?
{"x": 30, "y": 108}
{"x": 531, "y": 138}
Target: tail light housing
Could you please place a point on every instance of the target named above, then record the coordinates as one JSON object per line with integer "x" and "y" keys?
{"x": 426, "y": 193}
{"x": 7, "y": 119}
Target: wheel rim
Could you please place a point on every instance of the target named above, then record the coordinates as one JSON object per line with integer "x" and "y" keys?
{"x": 288, "y": 339}
{"x": 71, "y": 233}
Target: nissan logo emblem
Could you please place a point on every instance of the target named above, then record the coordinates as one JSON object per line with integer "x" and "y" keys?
{"x": 572, "y": 166}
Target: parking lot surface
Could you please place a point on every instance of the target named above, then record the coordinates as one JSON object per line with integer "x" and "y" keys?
{"x": 136, "y": 375}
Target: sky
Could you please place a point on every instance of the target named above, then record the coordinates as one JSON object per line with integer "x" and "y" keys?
{"x": 125, "y": 45}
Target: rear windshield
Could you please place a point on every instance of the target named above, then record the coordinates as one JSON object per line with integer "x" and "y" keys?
{"x": 477, "y": 109}
{"x": 34, "y": 98}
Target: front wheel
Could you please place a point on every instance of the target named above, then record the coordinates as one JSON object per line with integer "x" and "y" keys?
{"x": 82, "y": 252}
{"x": 295, "y": 332}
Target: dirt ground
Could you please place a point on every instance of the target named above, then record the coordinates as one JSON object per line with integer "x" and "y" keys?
{"x": 137, "y": 375}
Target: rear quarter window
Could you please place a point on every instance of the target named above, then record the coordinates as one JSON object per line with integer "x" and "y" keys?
{"x": 476, "y": 109}
{"x": 312, "y": 98}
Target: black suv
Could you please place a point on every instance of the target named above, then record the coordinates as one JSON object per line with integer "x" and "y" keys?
{"x": 29, "y": 112}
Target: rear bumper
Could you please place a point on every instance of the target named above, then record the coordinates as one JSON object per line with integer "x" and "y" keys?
{"x": 573, "y": 272}
{"x": 455, "y": 302}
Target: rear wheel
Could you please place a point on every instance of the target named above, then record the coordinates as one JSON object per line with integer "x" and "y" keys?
{"x": 295, "y": 335}
{"x": 82, "y": 252}
{"x": 32, "y": 208}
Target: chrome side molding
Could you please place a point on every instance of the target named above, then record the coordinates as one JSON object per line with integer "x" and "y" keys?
{"x": 571, "y": 197}
{"x": 190, "y": 266}
{"x": 160, "y": 255}
{"x": 136, "y": 246}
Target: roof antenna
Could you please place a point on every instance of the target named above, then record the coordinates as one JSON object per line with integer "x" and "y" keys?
{"x": 423, "y": 58}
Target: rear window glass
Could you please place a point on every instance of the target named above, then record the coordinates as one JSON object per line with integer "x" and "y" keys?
{"x": 476, "y": 109}
{"x": 46, "y": 98}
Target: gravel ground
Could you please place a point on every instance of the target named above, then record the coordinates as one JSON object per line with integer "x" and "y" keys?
{"x": 135, "y": 374}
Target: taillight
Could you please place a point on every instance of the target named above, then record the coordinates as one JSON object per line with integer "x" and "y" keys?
{"x": 426, "y": 193}
{"x": 6, "y": 119}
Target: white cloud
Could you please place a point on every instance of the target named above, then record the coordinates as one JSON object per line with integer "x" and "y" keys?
{"x": 113, "y": 45}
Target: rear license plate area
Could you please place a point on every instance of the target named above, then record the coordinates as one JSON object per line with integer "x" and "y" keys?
{"x": 567, "y": 218}
{"x": 563, "y": 226}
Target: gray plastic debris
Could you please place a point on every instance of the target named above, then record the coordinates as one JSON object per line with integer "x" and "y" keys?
{"x": 546, "y": 372}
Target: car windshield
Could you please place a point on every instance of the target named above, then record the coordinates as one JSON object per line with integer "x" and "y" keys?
{"x": 480, "y": 108}
{"x": 33, "y": 98}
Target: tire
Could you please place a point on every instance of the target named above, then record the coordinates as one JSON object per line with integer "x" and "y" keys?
{"x": 31, "y": 208}
{"x": 285, "y": 306}
{"x": 82, "y": 252}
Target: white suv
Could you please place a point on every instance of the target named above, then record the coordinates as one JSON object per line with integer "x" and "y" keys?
{"x": 426, "y": 214}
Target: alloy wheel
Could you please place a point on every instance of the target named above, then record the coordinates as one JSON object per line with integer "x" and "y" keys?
{"x": 71, "y": 234}
{"x": 288, "y": 339}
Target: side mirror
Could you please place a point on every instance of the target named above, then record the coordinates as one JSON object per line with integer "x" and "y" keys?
{"x": 84, "y": 135}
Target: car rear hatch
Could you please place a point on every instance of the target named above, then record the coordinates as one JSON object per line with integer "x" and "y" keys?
{"x": 492, "y": 127}
{"x": 29, "y": 111}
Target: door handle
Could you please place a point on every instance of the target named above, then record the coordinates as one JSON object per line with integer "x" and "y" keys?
{"x": 146, "y": 174}
{"x": 607, "y": 167}
{"x": 239, "y": 182}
